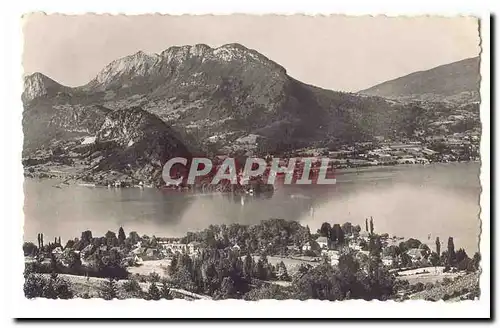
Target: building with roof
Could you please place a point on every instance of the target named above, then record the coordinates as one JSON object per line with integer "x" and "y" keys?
{"x": 415, "y": 254}
{"x": 322, "y": 242}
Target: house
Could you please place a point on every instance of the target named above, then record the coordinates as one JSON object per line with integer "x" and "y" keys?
{"x": 310, "y": 246}
{"x": 364, "y": 236}
{"x": 151, "y": 253}
{"x": 387, "y": 261}
{"x": 332, "y": 255}
{"x": 138, "y": 251}
{"x": 87, "y": 251}
{"x": 355, "y": 245}
{"x": 415, "y": 254}
{"x": 322, "y": 242}
{"x": 57, "y": 251}
{"x": 193, "y": 247}
{"x": 173, "y": 246}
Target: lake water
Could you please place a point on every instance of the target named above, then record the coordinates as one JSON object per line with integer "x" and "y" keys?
{"x": 411, "y": 201}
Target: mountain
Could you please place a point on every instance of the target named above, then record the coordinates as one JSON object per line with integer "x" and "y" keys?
{"x": 135, "y": 142}
{"x": 38, "y": 85}
{"x": 199, "y": 99}
{"x": 457, "y": 82}
{"x": 231, "y": 98}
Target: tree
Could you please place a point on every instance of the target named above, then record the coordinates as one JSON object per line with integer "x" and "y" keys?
{"x": 337, "y": 235}
{"x": 371, "y": 225}
{"x": 267, "y": 291}
{"x": 438, "y": 246}
{"x": 476, "y": 260}
{"x": 460, "y": 255}
{"x": 134, "y": 237}
{"x": 86, "y": 238}
{"x": 133, "y": 287}
{"x": 70, "y": 244}
{"x": 320, "y": 283}
{"x": 165, "y": 291}
{"x": 36, "y": 285}
{"x": 282, "y": 273}
{"x": 356, "y": 230}
{"x": 121, "y": 236}
{"x": 109, "y": 289}
{"x": 73, "y": 259}
{"x": 226, "y": 289}
{"x": 261, "y": 268}
{"x": 325, "y": 229}
{"x": 347, "y": 228}
{"x": 248, "y": 266}
{"x": 111, "y": 239}
{"x": 366, "y": 225}
{"x": 434, "y": 259}
{"x": 154, "y": 277}
{"x": 425, "y": 250}
{"x": 451, "y": 252}
{"x": 29, "y": 249}
{"x": 405, "y": 260}
{"x": 153, "y": 292}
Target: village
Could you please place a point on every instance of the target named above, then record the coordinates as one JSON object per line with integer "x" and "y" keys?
{"x": 410, "y": 261}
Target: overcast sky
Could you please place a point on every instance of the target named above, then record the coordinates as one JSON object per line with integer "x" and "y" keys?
{"x": 333, "y": 52}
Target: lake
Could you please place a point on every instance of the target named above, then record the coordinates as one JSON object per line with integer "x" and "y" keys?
{"x": 411, "y": 201}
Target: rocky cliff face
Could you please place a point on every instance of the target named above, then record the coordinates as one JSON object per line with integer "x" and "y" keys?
{"x": 136, "y": 142}
{"x": 38, "y": 85}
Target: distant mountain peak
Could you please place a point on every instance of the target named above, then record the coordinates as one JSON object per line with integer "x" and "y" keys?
{"x": 38, "y": 85}
{"x": 143, "y": 65}
{"x": 138, "y": 64}
{"x": 457, "y": 81}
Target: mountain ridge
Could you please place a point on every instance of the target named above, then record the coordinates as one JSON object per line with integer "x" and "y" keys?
{"x": 439, "y": 83}
{"x": 229, "y": 100}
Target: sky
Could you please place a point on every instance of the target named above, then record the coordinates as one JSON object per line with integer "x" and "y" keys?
{"x": 333, "y": 52}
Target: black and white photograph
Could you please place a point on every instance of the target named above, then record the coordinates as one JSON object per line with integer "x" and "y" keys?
{"x": 251, "y": 157}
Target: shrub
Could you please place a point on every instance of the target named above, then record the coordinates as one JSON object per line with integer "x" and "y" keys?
{"x": 153, "y": 293}
{"x": 131, "y": 286}
{"x": 154, "y": 277}
{"x": 446, "y": 281}
{"x": 35, "y": 285}
{"x": 109, "y": 290}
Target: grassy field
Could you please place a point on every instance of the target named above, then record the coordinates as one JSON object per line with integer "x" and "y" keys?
{"x": 93, "y": 286}
{"x": 292, "y": 264}
{"x": 147, "y": 267}
{"x": 426, "y": 275}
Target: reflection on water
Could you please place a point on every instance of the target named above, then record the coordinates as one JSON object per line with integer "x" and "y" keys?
{"x": 440, "y": 200}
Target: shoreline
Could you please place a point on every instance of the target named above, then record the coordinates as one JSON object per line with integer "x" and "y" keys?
{"x": 340, "y": 171}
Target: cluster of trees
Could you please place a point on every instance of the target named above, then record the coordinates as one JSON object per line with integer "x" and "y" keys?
{"x": 325, "y": 282}
{"x": 110, "y": 290}
{"x": 53, "y": 287}
{"x": 337, "y": 234}
{"x": 448, "y": 258}
{"x": 107, "y": 261}
{"x": 270, "y": 236}
{"x": 223, "y": 273}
